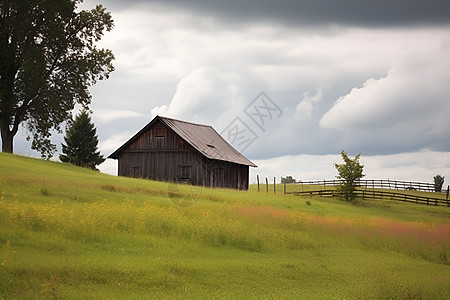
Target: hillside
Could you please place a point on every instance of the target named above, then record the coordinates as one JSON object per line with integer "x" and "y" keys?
{"x": 72, "y": 233}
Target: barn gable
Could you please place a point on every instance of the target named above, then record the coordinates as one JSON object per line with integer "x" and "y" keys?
{"x": 173, "y": 150}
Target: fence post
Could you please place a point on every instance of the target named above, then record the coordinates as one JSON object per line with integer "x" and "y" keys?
{"x": 267, "y": 186}
{"x": 446, "y": 198}
{"x": 285, "y": 188}
{"x": 257, "y": 178}
{"x": 274, "y": 186}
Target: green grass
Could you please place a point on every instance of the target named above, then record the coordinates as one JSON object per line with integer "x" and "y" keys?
{"x": 71, "y": 233}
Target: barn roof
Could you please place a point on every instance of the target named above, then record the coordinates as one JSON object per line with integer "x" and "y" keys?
{"x": 202, "y": 137}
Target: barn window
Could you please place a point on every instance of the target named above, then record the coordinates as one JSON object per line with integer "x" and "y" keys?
{"x": 160, "y": 131}
{"x": 185, "y": 172}
{"x": 159, "y": 137}
{"x": 159, "y": 142}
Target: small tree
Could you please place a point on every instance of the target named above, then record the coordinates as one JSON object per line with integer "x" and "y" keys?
{"x": 438, "y": 182}
{"x": 287, "y": 179}
{"x": 81, "y": 143}
{"x": 350, "y": 172}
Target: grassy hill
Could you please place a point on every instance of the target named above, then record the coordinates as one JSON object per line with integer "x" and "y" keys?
{"x": 67, "y": 232}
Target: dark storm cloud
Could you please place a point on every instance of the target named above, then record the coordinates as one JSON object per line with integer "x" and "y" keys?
{"x": 382, "y": 13}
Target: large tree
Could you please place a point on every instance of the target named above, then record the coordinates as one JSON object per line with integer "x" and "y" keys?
{"x": 48, "y": 60}
{"x": 81, "y": 143}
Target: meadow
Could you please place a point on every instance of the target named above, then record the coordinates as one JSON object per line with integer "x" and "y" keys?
{"x": 72, "y": 233}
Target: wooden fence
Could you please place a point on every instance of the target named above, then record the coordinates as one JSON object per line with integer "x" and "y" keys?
{"x": 367, "y": 190}
{"x": 381, "y": 195}
{"x": 373, "y": 184}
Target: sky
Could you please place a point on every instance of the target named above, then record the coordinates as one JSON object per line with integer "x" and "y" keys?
{"x": 302, "y": 79}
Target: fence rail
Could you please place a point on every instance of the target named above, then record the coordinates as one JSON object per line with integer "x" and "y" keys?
{"x": 376, "y": 183}
{"x": 380, "y": 195}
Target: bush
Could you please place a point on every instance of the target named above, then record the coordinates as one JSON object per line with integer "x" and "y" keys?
{"x": 288, "y": 179}
{"x": 438, "y": 182}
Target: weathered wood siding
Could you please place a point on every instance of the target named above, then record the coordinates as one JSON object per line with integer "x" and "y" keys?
{"x": 160, "y": 154}
{"x": 216, "y": 173}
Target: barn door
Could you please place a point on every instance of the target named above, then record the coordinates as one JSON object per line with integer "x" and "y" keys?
{"x": 135, "y": 170}
{"x": 160, "y": 137}
{"x": 219, "y": 177}
{"x": 184, "y": 173}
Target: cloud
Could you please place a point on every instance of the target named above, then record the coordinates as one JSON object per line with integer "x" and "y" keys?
{"x": 205, "y": 94}
{"x": 115, "y": 141}
{"x": 110, "y": 166}
{"x": 408, "y": 106}
{"x": 305, "y": 107}
{"x": 311, "y": 13}
{"x": 106, "y": 116}
{"x": 414, "y": 166}
{"x": 205, "y": 61}
{"x": 219, "y": 72}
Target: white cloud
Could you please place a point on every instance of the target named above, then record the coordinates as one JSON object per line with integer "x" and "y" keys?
{"x": 115, "y": 141}
{"x": 110, "y": 166}
{"x": 205, "y": 95}
{"x": 419, "y": 166}
{"x": 301, "y": 167}
{"x": 410, "y": 102}
{"x": 416, "y": 166}
{"x": 106, "y": 116}
{"x": 305, "y": 107}
{"x": 193, "y": 67}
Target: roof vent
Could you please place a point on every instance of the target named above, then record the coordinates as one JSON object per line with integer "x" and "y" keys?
{"x": 210, "y": 146}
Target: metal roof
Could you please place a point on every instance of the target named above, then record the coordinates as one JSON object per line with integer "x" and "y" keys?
{"x": 202, "y": 137}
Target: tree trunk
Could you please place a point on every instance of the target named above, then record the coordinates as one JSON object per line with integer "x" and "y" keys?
{"x": 7, "y": 140}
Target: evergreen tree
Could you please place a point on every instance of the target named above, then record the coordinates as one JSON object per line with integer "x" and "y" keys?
{"x": 81, "y": 143}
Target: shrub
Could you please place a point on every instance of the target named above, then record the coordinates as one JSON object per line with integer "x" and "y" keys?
{"x": 288, "y": 179}
{"x": 438, "y": 182}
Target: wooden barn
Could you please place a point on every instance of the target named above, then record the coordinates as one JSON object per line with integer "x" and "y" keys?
{"x": 173, "y": 150}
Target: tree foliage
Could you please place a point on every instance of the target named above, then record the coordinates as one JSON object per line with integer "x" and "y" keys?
{"x": 48, "y": 60}
{"x": 288, "y": 179}
{"x": 81, "y": 143}
{"x": 350, "y": 172}
{"x": 438, "y": 182}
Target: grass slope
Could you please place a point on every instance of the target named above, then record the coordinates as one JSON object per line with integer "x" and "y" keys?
{"x": 71, "y": 233}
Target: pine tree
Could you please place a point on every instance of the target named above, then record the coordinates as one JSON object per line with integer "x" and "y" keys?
{"x": 81, "y": 143}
